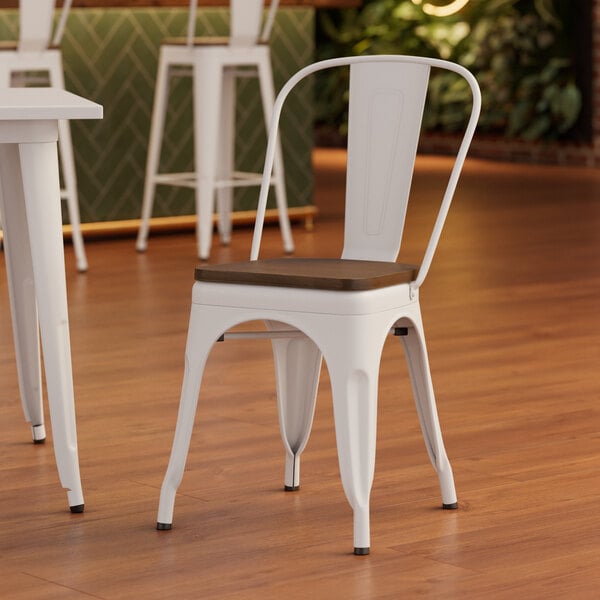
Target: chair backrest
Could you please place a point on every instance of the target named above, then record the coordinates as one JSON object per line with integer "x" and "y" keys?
{"x": 387, "y": 98}
{"x": 245, "y": 22}
{"x": 36, "y": 18}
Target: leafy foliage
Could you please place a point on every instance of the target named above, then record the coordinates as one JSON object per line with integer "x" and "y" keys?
{"x": 518, "y": 50}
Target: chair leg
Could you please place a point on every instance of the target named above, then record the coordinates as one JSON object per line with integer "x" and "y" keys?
{"x": 159, "y": 109}
{"x": 23, "y": 308}
{"x": 207, "y": 98}
{"x": 297, "y": 371}
{"x": 420, "y": 376}
{"x": 354, "y": 371}
{"x": 226, "y": 164}
{"x": 267, "y": 92}
{"x": 199, "y": 344}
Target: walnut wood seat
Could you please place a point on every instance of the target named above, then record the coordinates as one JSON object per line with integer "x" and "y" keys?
{"x": 311, "y": 273}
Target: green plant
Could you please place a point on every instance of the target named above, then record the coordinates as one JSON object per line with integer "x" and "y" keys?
{"x": 519, "y": 50}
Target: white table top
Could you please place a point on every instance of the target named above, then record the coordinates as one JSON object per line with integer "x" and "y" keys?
{"x": 39, "y": 103}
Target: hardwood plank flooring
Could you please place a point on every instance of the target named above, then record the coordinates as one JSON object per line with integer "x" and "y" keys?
{"x": 511, "y": 309}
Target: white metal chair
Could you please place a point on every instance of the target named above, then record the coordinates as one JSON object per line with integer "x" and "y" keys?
{"x": 341, "y": 309}
{"x": 36, "y": 59}
{"x": 214, "y": 64}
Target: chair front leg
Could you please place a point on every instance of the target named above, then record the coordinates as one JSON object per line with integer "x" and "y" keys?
{"x": 199, "y": 344}
{"x": 353, "y": 356}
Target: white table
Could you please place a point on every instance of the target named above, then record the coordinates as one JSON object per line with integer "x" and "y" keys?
{"x": 32, "y": 226}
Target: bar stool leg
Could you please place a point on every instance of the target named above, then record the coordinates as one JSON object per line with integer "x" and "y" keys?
{"x": 39, "y": 176}
{"x": 159, "y": 110}
{"x": 67, "y": 163}
{"x": 21, "y": 289}
{"x": 208, "y": 77}
{"x": 226, "y": 165}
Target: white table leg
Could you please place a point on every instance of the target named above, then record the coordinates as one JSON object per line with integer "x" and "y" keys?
{"x": 41, "y": 193}
{"x": 21, "y": 290}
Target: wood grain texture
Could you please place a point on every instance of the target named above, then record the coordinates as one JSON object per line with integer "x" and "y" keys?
{"x": 511, "y": 310}
{"x": 310, "y": 273}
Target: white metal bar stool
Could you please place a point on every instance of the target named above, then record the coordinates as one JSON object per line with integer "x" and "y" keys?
{"x": 214, "y": 64}
{"x": 36, "y": 59}
{"x": 30, "y": 204}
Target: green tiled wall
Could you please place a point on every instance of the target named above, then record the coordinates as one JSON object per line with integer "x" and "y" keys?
{"x": 110, "y": 56}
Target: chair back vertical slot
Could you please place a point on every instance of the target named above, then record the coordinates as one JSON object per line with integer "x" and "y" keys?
{"x": 384, "y": 122}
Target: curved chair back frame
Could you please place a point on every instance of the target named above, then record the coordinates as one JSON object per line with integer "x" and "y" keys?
{"x": 339, "y": 310}
{"x": 384, "y": 172}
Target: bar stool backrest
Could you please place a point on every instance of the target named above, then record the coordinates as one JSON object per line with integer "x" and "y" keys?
{"x": 245, "y": 22}
{"x": 36, "y": 18}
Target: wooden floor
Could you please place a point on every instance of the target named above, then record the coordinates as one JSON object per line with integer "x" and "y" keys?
{"x": 512, "y": 313}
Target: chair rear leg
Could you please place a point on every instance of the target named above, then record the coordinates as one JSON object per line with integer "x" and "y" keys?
{"x": 420, "y": 376}
{"x": 297, "y": 372}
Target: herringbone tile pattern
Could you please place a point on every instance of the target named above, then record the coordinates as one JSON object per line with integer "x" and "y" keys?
{"x": 110, "y": 56}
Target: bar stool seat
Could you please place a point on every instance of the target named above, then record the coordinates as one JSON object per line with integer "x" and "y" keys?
{"x": 36, "y": 60}
{"x": 214, "y": 65}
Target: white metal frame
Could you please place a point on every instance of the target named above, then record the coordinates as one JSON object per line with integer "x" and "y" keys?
{"x": 214, "y": 68}
{"x": 347, "y": 329}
